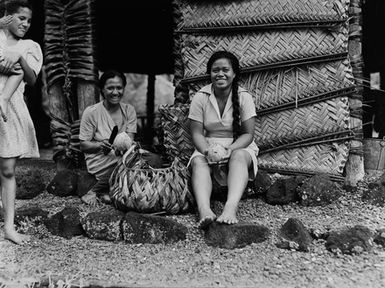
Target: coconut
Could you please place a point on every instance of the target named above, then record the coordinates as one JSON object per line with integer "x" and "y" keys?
{"x": 122, "y": 142}
{"x": 216, "y": 152}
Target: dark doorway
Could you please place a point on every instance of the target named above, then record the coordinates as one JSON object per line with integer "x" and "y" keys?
{"x": 373, "y": 49}
{"x": 34, "y": 95}
{"x": 137, "y": 39}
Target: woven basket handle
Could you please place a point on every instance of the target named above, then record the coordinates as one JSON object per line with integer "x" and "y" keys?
{"x": 128, "y": 152}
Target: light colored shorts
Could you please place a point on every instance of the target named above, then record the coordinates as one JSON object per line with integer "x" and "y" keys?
{"x": 252, "y": 149}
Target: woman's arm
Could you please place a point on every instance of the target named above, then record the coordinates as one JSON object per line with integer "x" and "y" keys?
{"x": 29, "y": 75}
{"x": 87, "y": 133}
{"x": 13, "y": 57}
{"x": 95, "y": 146}
{"x": 198, "y": 138}
{"x": 246, "y": 137}
{"x": 13, "y": 82}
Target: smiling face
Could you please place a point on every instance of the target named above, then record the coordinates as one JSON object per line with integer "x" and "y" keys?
{"x": 222, "y": 74}
{"x": 113, "y": 90}
{"x": 21, "y": 22}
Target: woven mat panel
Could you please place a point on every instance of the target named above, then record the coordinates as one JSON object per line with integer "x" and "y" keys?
{"x": 292, "y": 125}
{"x": 255, "y": 49}
{"x": 322, "y": 158}
{"x": 176, "y": 133}
{"x": 206, "y": 14}
{"x": 178, "y": 60}
{"x": 289, "y": 85}
{"x": 278, "y": 87}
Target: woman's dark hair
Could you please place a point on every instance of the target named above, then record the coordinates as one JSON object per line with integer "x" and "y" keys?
{"x": 111, "y": 74}
{"x": 13, "y": 6}
{"x": 234, "y": 98}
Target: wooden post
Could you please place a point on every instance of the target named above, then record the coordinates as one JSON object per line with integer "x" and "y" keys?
{"x": 57, "y": 102}
{"x": 149, "y": 134}
{"x": 355, "y": 165}
{"x": 87, "y": 94}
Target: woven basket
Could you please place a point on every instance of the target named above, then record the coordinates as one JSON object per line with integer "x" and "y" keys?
{"x": 176, "y": 134}
{"x": 291, "y": 125}
{"x": 136, "y": 187}
{"x": 198, "y": 15}
{"x": 255, "y": 49}
{"x": 323, "y": 158}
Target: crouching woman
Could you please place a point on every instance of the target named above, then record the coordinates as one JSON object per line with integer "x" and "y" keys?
{"x": 96, "y": 125}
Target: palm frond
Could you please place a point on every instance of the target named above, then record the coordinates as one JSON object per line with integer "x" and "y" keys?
{"x": 69, "y": 40}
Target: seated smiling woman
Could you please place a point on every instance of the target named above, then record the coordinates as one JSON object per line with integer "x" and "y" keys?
{"x": 96, "y": 125}
{"x": 222, "y": 115}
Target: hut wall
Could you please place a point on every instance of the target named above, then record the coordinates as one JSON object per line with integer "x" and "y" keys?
{"x": 295, "y": 60}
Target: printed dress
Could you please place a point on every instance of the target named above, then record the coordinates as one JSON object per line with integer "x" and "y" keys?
{"x": 17, "y": 135}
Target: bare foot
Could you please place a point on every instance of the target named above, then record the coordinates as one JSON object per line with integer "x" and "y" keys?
{"x": 15, "y": 237}
{"x": 90, "y": 198}
{"x": 206, "y": 218}
{"x": 229, "y": 215}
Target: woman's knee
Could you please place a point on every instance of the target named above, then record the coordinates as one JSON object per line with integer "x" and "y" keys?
{"x": 7, "y": 172}
{"x": 199, "y": 163}
{"x": 240, "y": 156}
{"x": 7, "y": 168}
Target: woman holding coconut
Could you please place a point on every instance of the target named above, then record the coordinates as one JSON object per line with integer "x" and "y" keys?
{"x": 222, "y": 117}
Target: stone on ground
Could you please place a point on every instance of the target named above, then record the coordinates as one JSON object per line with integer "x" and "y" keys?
{"x": 235, "y": 236}
{"x": 294, "y": 235}
{"x": 103, "y": 225}
{"x": 353, "y": 240}
{"x": 319, "y": 190}
{"x": 65, "y": 223}
{"x": 145, "y": 228}
{"x": 85, "y": 181}
{"x": 63, "y": 184}
{"x": 284, "y": 190}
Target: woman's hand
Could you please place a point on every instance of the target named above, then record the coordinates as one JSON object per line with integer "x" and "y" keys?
{"x": 10, "y": 58}
{"x": 105, "y": 146}
{"x": 228, "y": 153}
{"x": 17, "y": 70}
{"x": 5, "y": 20}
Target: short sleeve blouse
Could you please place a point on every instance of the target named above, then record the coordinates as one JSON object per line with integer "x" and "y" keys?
{"x": 204, "y": 108}
{"x": 97, "y": 124}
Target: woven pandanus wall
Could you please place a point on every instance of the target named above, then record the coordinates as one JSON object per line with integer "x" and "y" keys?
{"x": 251, "y": 13}
{"x": 328, "y": 158}
{"x": 255, "y": 48}
{"x": 293, "y": 85}
{"x": 291, "y": 125}
{"x": 294, "y": 60}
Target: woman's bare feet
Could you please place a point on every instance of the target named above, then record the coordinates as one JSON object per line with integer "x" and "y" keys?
{"x": 90, "y": 198}
{"x": 229, "y": 214}
{"x": 15, "y": 237}
{"x": 206, "y": 218}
